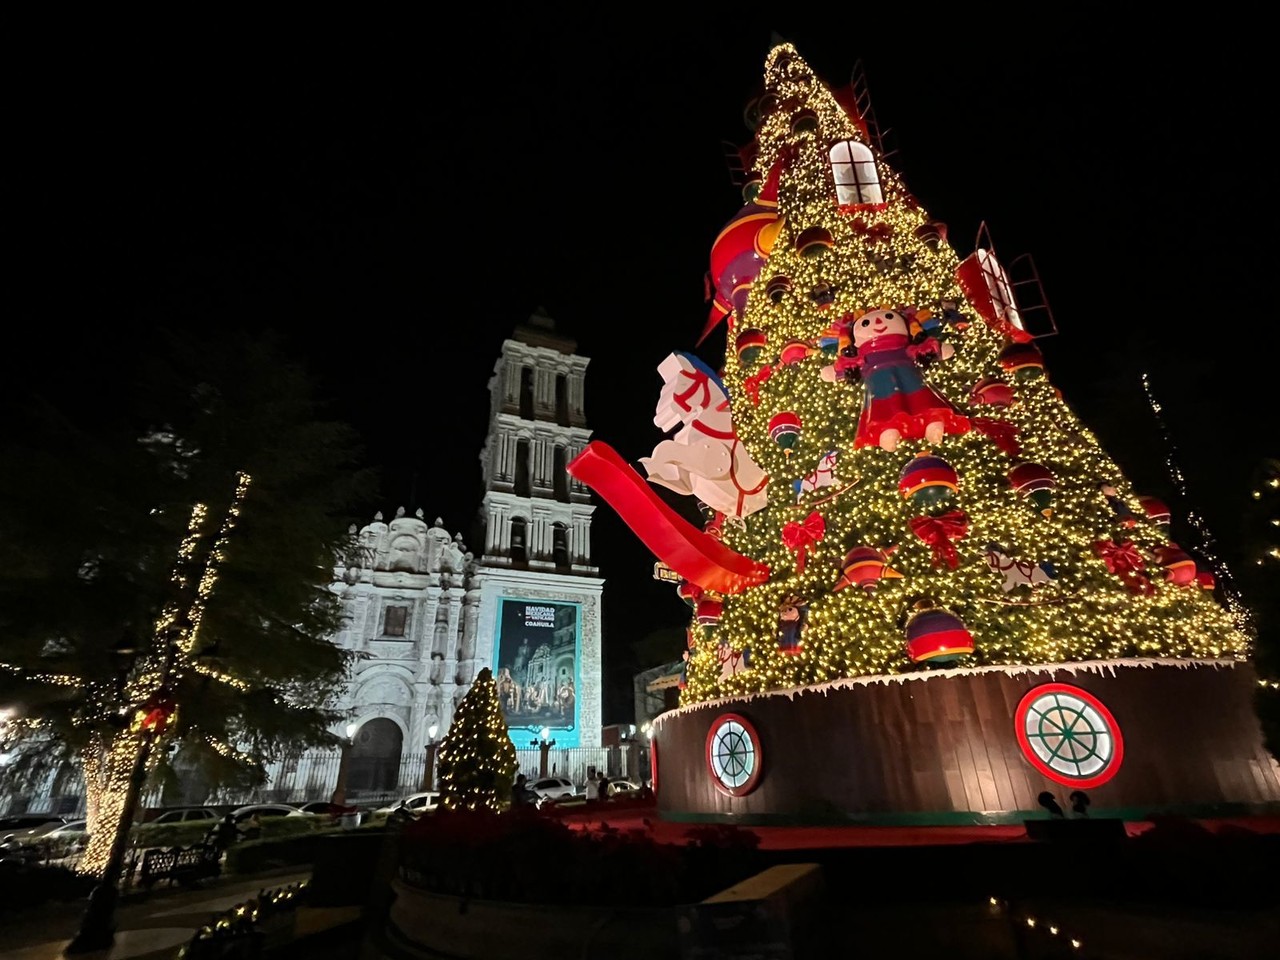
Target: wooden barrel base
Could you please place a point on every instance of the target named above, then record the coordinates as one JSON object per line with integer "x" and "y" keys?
{"x": 1137, "y": 737}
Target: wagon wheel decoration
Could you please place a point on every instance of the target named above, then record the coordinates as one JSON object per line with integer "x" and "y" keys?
{"x": 1069, "y": 735}
{"x": 733, "y": 755}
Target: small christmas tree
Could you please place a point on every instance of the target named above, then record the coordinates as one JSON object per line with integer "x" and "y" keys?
{"x": 477, "y": 758}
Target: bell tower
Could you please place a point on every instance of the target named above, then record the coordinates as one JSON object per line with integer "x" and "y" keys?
{"x": 541, "y": 590}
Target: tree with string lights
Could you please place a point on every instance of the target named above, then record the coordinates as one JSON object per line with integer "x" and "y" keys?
{"x": 166, "y": 578}
{"x": 477, "y": 760}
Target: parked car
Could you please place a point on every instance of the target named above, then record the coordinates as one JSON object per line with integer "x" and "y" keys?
{"x": 28, "y": 825}
{"x": 621, "y": 788}
{"x": 70, "y": 836}
{"x": 185, "y": 815}
{"x": 415, "y": 804}
{"x": 551, "y": 789}
{"x": 264, "y": 810}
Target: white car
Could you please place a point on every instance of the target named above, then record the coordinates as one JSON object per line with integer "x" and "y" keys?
{"x": 265, "y": 810}
{"x": 551, "y": 789}
{"x": 414, "y": 803}
{"x": 186, "y": 814}
{"x": 619, "y": 787}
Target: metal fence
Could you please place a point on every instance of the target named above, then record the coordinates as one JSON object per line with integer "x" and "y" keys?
{"x": 314, "y": 775}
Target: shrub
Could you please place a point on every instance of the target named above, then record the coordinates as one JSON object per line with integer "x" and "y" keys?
{"x": 522, "y": 857}
{"x": 23, "y": 886}
{"x": 250, "y": 856}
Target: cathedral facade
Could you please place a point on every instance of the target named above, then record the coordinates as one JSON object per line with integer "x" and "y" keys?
{"x": 426, "y": 611}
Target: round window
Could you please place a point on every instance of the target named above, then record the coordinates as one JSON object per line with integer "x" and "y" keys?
{"x": 733, "y": 755}
{"x": 1069, "y": 735}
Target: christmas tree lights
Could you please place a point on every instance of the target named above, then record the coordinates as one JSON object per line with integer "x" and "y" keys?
{"x": 477, "y": 760}
{"x": 892, "y": 255}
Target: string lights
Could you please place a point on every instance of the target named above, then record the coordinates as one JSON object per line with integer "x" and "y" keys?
{"x": 877, "y": 257}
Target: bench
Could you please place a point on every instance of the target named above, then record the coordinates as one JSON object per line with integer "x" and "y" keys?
{"x": 183, "y": 865}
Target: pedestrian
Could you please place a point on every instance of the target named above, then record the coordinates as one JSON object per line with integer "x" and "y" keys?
{"x": 224, "y": 834}
{"x": 520, "y": 794}
{"x": 602, "y": 788}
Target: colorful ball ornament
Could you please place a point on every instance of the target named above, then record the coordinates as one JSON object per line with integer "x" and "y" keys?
{"x": 814, "y": 242}
{"x": 1023, "y": 360}
{"x": 784, "y": 428}
{"x": 992, "y": 392}
{"x": 1155, "y": 510}
{"x": 1034, "y": 482}
{"x": 865, "y": 566}
{"x": 1178, "y": 566}
{"x": 928, "y": 480}
{"x": 793, "y": 351}
{"x": 936, "y": 636}
{"x": 750, "y": 342}
{"x": 777, "y": 288}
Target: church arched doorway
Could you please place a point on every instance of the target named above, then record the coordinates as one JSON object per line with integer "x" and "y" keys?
{"x": 374, "y": 764}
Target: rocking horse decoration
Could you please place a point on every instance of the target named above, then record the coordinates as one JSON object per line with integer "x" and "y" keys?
{"x": 704, "y": 458}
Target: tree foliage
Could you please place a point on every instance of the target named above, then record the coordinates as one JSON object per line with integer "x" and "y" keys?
{"x": 97, "y": 497}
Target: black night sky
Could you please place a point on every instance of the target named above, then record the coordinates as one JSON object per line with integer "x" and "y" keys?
{"x": 396, "y": 212}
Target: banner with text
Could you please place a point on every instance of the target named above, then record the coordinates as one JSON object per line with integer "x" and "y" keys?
{"x": 537, "y": 657}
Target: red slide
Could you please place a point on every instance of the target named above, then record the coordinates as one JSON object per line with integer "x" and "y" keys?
{"x": 697, "y": 556}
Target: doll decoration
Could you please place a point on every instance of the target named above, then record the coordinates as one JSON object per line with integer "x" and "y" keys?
{"x": 793, "y": 617}
{"x": 897, "y": 404}
{"x": 1121, "y": 509}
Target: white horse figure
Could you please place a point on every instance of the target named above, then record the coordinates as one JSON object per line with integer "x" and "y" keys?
{"x": 704, "y": 458}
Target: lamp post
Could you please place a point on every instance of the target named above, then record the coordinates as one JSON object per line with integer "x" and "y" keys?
{"x": 544, "y": 744}
{"x": 429, "y": 771}
{"x": 339, "y": 798}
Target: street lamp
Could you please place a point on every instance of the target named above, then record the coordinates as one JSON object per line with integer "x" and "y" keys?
{"x": 544, "y": 743}
{"x": 339, "y": 798}
{"x": 429, "y": 772}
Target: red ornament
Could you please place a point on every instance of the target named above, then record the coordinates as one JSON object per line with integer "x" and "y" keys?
{"x": 801, "y": 538}
{"x": 939, "y": 532}
{"x": 1178, "y": 566}
{"x": 992, "y": 392}
{"x": 937, "y": 636}
{"x": 1124, "y": 560}
{"x": 1034, "y": 481}
{"x": 785, "y": 428}
{"x": 793, "y": 351}
{"x": 1001, "y": 432}
{"x": 752, "y": 384}
{"x": 865, "y": 566}
{"x": 1155, "y": 510}
{"x": 1023, "y": 360}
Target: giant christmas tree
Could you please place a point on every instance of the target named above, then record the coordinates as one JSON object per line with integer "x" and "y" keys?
{"x": 895, "y": 490}
{"x": 996, "y": 506}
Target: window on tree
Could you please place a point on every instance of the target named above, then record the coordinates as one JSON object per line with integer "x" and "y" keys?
{"x": 560, "y": 544}
{"x": 397, "y": 617}
{"x": 561, "y": 475}
{"x": 562, "y": 400}
{"x": 854, "y": 167}
{"x": 526, "y": 393}
{"x": 522, "y": 468}
{"x": 519, "y": 546}
{"x": 1006, "y": 308}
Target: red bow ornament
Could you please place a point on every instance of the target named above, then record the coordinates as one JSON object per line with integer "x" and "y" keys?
{"x": 800, "y": 538}
{"x": 938, "y": 532}
{"x": 1002, "y": 433}
{"x": 753, "y": 384}
{"x": 1124, "y": 560}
